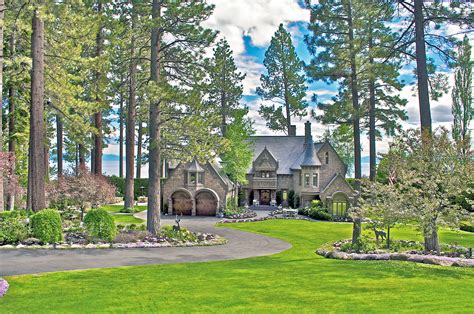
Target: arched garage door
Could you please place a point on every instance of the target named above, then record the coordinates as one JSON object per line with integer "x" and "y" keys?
{"x": 182, "y": 203}
{"x": 206, "y": 204}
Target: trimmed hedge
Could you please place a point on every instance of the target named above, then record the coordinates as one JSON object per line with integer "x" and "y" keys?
{"x": 466, "y": 226}
{"x": 317, "y": 213}
{"x": 119, "y": 184}
{"x": 46, "y": 226}
{"x": 100, "y": 224}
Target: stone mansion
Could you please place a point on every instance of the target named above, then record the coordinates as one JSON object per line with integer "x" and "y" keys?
{"x": 282, "y": 165}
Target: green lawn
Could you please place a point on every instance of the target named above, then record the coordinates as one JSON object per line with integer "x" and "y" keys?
{"x": 296, "y": 280}
{"x": 121, "y": 218}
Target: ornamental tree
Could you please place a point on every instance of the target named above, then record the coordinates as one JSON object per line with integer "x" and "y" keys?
{"x": 430, "y": 175}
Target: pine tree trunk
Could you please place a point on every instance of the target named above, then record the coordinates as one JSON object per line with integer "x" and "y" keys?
{"x": 82, "y": 158}
{"x": 154, "y": 170}
{"x": 121, "y": 136}
{"x": 12, "y": 121}
{"x": 130, "y": 140}
{"x": 139, "y": 149}
{"x": 372, "y": 105}
{"x": 59, "y": 145}
{"x": 36, "y": 162}
{"x": 97, "y": 169}
{"x": 421, "y": 68}
{"x": 2, "y": 10}
{"x": 76, "y": 170}
{"x": 356, "y": 232}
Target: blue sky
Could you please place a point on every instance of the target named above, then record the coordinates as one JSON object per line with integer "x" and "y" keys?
{"x": 248, "y": 26}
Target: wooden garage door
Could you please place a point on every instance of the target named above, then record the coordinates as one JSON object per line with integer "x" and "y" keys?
{"x": 182, "y": 203}
{"x": 206, "y": 204}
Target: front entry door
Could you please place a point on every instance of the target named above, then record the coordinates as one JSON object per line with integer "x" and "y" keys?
{"x": 265, "y": 197}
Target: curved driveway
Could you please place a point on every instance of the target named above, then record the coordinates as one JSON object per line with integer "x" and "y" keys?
{"x": 240, "y": 245}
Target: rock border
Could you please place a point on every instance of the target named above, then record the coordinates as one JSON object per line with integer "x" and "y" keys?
{"x": 3, "y": 287}
{"x": 132, "y": 245}
{"x": 416, "y": 258}
{"x": 227, "y": 221}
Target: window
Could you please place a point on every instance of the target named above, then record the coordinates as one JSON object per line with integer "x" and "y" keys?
{"x": 200, "y": 178}
{"x": 285, "y": 195}
{"x": 315, "y": 179}
{"x": 192, "y": 178}
{"x": 306, "y": 180}
{"x": 339, "y": 209}
{"x": 301, "y": 179}
{"x": 327, "y": 157}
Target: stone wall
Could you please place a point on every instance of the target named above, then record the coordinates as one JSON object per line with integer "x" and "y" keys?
{"x": 177, "y": 177}
{"x": 335, "y": 165}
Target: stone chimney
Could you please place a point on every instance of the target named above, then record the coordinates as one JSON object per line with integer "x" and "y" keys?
{"x": 292, "y": 130}
{"x": 307, "y": 132}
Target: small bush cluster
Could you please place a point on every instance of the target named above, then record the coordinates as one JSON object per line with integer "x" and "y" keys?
{"x": 3, "y": 287}
{"x": 239, "y": 213}
{"x": 181, "y": 235}
{"x": 100, "y": 224}
{"x": 318, "y": 213}
{"x": 13, "y": 230}
{"x": 466, "y": 226}
{"x": 46, "y": 226}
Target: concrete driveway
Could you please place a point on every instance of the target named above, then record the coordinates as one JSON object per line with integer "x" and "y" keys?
{"x": 240, "y": 245}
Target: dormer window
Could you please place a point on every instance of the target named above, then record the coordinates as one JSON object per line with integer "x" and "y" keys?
{"x": 195, "y": 173}
{"x": 327, "y": 157}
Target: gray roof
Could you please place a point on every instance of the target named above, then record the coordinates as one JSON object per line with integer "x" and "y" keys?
{"x": 195, "y": 166}
{"x": 287, "y": 150}
{"x": 310, "y": 155}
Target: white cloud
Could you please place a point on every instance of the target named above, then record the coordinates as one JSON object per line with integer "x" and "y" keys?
{"x": 258, "y": 19}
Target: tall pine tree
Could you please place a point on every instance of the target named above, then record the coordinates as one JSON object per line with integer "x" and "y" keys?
{"x": 462, "y": 109}
{"x": 284, "y": 83}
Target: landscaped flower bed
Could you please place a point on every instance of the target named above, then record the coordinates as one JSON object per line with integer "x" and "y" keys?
{"x": 341, "y": 250}
{"x": 46, "y": 230}
{"x": 239, "y": 213}
{"x": 3, "y": 287}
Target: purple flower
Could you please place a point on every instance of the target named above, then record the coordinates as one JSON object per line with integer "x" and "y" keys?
{"x": 3, "y": 287}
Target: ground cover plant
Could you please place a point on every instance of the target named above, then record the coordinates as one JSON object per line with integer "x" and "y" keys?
{"x": 296, "y": 280}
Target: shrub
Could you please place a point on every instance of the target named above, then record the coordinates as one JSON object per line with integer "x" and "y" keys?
{"x": 315, "y": 213}
{"x": 466, "y": 226}
{"x": 100, "y": 224}
{"x": 12, "y": 231}
{"x": 14, "y": 214}
{"x": 46, "y": 226}
{"x": 181, "y": 235}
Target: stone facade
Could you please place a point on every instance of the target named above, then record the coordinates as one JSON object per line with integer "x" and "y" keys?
{"x": 195, "y": 189}
{"x": 295, "y": 163}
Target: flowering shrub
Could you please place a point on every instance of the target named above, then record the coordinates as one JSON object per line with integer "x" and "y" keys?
{"x": 82, "y": 191}
{"x": 3, "y": 287}
{"x": 181, "y": 235}
{"x": 239, "y": 213}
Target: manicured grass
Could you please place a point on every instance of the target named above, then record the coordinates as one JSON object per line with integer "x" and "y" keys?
{"x": 126, "y": 219}
{"x": 117, "y": 208}
{"x": 121, "y": 218}
{"x": 296, "y": 280}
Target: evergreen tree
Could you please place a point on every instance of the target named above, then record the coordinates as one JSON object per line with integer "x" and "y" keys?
{"x": 341, "y": 139}
{"x": 176, "y": 117}
{"x": 284, "y": 83}
{"x": 334, "y": 26}
{"x": 423, "y": 20}
{"x": 462, "y": 96}
{"x": 225, "y": 83}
